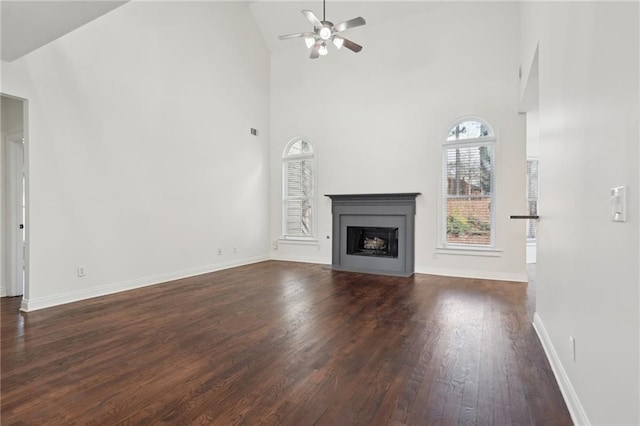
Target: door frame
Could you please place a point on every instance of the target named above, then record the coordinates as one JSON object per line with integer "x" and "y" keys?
{"x": 529, "y": 105}
{"x": 11, "y": 207}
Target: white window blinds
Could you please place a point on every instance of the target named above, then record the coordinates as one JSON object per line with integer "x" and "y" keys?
{"x": 298, "y": 190}
{"x": 468, "y": 180}
{"x": 298, "y": 197}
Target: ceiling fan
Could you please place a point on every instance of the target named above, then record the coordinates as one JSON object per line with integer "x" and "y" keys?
{"x": 324, "y": 31}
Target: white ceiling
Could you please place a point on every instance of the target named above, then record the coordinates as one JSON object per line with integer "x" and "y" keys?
{"x": 27, "y": 25}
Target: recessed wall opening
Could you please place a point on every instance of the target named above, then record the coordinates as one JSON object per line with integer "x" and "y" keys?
{"x": 13, "y": 197}
{"x": 372, "y": 241}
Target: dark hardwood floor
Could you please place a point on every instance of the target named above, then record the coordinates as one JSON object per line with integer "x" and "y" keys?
{"x": 285, "y": 344}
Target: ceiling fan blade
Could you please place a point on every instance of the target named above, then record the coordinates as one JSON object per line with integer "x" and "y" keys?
{"x": 315, "y": 52}
{"x": 311, "y": 17}
{"x": 351, "y": 23}
{"x": 285, "y": 37}
{"x": 351, "y": 45}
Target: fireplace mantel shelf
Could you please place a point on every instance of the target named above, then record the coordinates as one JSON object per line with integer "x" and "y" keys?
{"x": 393, "y": 195}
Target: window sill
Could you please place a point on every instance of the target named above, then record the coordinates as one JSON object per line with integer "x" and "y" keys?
{"x": 469, "y": 251}
{"x": 298, "y": 241}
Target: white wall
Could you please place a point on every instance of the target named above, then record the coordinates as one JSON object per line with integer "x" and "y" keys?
{"x": 533, "y": 138}
{"x": 587, "y": 273}
{"x": 140, "y": 159}
{"x": 377, "y": 120}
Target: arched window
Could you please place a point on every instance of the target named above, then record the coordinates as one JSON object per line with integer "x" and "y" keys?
{"x": 468, "y": 184}
{"x": 297, "y": 189}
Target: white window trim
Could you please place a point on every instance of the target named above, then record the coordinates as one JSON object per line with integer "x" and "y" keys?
{"x": 470, "y": 250}
{"x": 297, "y": 239}
{"x": 458, "y": 248}
{"x": 300, "y": 241}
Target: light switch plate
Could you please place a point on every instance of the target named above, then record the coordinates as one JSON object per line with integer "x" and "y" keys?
{"x": 619, "y": 204}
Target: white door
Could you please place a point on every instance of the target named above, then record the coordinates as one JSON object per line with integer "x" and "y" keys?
{"x": 15, "y": 215}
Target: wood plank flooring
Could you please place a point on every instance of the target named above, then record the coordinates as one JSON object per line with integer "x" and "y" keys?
{"x": 279, "y": 343}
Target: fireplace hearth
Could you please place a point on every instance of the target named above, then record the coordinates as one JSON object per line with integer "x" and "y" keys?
{"x": 374, "y": 233}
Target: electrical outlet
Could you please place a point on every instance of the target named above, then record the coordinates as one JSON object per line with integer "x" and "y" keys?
{"x": 572, "y": 348}
{"x": 275, "y": 245}
{"x": 219, "y": 252}
{"x": 81, "y": 271}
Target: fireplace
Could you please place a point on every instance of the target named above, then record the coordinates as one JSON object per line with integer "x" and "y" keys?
{"x": 374, "y": 233}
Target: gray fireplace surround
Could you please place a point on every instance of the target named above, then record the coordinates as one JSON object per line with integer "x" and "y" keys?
{"x": 374, "y": 233}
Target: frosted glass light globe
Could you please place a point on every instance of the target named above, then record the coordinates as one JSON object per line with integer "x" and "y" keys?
{"x": 325, "y": 33}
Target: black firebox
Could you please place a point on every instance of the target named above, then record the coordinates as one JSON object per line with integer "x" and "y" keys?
{"x": 372, "y": 241}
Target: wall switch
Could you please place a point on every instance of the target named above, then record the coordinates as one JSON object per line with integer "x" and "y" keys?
{"x": 572, "y": 348}
{"x": 219, "y": 252}
{"x": 618, "y": 204}
{"x": 81, "y": 271}
{"x": 235, "y": 250}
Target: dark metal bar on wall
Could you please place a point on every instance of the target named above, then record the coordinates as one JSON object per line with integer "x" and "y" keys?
{"x": 524, "y": 217}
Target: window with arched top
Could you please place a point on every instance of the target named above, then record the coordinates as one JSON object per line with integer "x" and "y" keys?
{"x": 468, "y": 185}
{"x": 298, "y": 171}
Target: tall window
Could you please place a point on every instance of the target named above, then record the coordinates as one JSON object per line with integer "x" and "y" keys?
{"x": 532, "y": 197}
{"x": 468, "y": 179}
{"x": 298, "y": 190}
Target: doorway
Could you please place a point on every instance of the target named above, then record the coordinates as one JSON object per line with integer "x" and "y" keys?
{"x": 530, "y": 105}
{"x": 532, "y": 185}
{"x": 13, "y": 199}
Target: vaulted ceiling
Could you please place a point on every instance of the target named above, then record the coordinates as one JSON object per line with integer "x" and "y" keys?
{"x": 276, "y": 18}
{"x": 29, "y": 25}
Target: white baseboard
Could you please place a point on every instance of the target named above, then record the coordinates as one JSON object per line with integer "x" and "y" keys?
{"x": 483, "y": 275}
{"x": 314, "y": 260}
{"x": 578, "y": 415}
{"x": 29, "y": 305}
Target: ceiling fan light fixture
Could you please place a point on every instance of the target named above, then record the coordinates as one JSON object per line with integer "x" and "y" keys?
{"x": 338, "y": 42}
{"x": 323, "y": 50}
{"x": 325, "y": 33}
{"x": 309, "y": 41}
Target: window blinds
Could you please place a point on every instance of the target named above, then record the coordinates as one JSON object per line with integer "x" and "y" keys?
{"x": 468, "y": 189}
{"x": 298, "y": 197}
